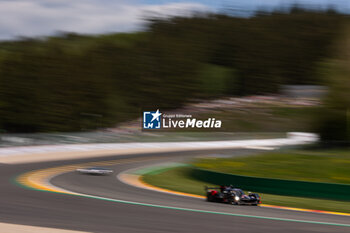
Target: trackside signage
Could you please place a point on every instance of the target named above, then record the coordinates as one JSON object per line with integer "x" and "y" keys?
{"x": 158, "y": 120}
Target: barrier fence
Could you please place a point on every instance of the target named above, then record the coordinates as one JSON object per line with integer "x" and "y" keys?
{"x": 275, "y": 186}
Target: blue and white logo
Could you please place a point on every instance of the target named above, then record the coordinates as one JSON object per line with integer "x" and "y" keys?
{"x": 151, "y": 120}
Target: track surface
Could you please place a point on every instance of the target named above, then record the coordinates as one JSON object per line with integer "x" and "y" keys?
{"x": 30, "y": 207}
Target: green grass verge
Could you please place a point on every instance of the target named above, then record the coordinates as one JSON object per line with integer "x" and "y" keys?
{"x": 332, "y": 166}
{"x": 179, "y": 179}
{"x": 265, "y": 118}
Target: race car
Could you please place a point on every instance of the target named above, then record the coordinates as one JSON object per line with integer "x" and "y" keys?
{"x": 232, "y": 195}
{"x": 95, "y": 171}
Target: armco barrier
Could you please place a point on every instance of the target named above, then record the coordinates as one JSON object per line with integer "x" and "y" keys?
{"x": 276, "y": 186}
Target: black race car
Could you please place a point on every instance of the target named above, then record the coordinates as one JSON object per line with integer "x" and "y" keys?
{"x": 232, "y": 195}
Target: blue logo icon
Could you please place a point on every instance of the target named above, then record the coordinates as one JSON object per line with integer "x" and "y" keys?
{"x": 151, "y": 120}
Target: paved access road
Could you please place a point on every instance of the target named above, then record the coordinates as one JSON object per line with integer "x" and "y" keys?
{"x": 31, "y": 207}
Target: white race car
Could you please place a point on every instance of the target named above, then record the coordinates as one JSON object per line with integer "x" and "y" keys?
{"x": 95, "y": 171}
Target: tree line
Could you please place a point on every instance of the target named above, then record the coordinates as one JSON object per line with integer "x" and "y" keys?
{"x": 74, "y": 82}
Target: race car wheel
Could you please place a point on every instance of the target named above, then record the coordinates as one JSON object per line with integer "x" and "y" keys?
{"x": 233, "y": 202}
{"x": 209, "y": 198}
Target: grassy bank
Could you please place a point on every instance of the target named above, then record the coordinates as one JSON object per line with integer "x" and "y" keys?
{"x": 266, "y": 118}
{"x": 331, "y": 166}
{"x": 179, "y": 179}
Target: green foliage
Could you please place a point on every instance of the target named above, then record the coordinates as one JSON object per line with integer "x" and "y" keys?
{"x": 215, "y": 79}
{"x": 334, "y": 123}
{"x": 73, "y": 82}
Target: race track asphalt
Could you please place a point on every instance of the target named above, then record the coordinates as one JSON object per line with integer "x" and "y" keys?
{"x": 38, "y": 208}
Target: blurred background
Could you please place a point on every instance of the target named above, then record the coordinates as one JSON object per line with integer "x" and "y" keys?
{"x": 92, "y": 66}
